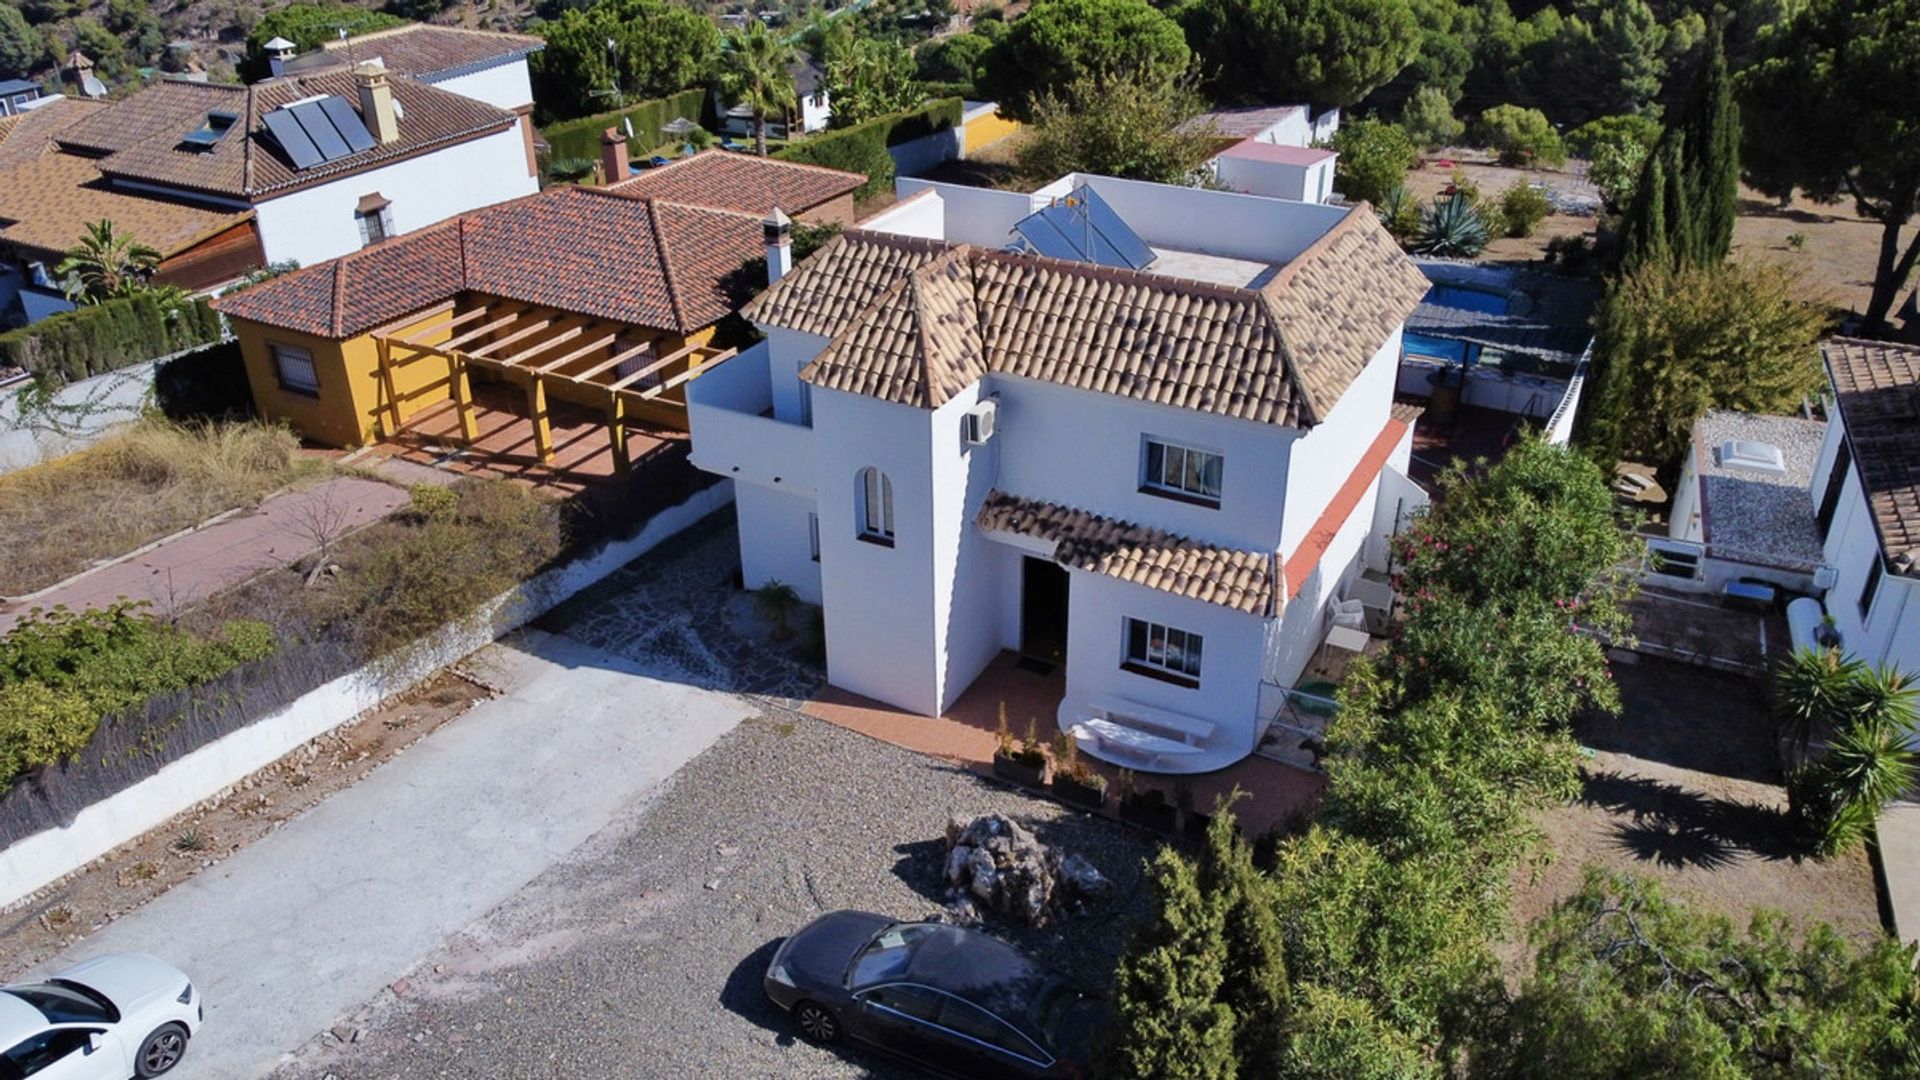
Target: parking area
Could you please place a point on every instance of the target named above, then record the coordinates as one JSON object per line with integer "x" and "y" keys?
{"x": 642, "y": 954}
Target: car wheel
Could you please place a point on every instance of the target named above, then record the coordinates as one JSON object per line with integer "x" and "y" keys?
{"x": 161, "y": 1051}
{"x": 816, "y": 1023}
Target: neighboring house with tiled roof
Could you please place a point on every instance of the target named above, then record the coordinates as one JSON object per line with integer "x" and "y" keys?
{"x": 1866, "y": 498}
{"x": 811, "y": 110}
{"x": 571, "y": 265}
{"x": 745, "y": 182}
{"x": 1147, "y": 432}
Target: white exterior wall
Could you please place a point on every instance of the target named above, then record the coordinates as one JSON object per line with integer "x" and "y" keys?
{"x": 504, "y": 87}
{"x": 1299, "y": 183}
{"x": 816, "y": 111}
{"x": 316, "y": 224}
{"x": 881, "y": 625}
{"x": 970, "y": 215}
{"x": 1683, "y": 522}
{"x": 1323, "y": 460}
{"x": 925, "y": 217}
{"x": 780, "y": 550}
{"x": 788, "y": 351}
{"x": 1233, "y": 649}
{"x": 966, "y": 602}
{"x": 1295, "y": 130}
{"x": 1890, "y": 633}
{"x": 1216, "y": 222}
{"x": 1084, "y": 450}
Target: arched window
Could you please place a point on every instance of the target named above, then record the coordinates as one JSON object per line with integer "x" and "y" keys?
{"x": 876, "y": 506}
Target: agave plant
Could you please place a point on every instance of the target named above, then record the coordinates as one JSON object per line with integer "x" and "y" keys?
{"x": 1452, "y": 227}
{"x": 1400, "y": 212}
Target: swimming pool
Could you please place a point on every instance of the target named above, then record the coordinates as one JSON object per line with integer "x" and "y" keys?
{"x": 1468, "y": 298}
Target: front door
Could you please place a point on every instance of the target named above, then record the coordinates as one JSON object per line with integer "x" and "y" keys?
{"x": 1043, "y": 610}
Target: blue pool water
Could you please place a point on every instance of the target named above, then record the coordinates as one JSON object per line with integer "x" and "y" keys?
{"x": 1469, "y": 299}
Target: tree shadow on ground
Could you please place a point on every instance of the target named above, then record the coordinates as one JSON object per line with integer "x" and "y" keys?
{"x": 1687, "y": 717}
{"x": 1771, "y": 209}
{"x": 1676, "y": 827}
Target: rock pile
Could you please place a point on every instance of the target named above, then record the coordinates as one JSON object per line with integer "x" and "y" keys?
{"x": 994, "y": 864}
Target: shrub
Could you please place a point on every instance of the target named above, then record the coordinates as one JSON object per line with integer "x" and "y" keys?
{"x": 1589, "y": 138}
{"x": 1115, "y": 128}
{"x": 1428, "y": 118}
{"x": 580, "y": 138}
{"x": 1400, "y": 212}
{"x": 61, "y": 672}
{"x": 1523, "y": 206}
{"x": 1453, "y": 228}
{"x": 1521, "y": 136}
{"x": 1374, "y": 159}
{"x": 862, "y": 148}
{"x": 107, "y": 336}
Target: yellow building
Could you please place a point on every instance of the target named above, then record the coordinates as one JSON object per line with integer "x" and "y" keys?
{"x": 607, "y": 299}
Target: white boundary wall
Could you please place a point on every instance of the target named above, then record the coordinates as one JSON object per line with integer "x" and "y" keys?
{"x": 43, "y": 858}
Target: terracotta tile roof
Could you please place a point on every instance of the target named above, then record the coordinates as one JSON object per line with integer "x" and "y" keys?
{"x": 923, "y": 344}
{"x": 29, "y": 135}
{"x": 420, "y": 51}
{"x": 1877, "y": 387}
{"x": 745, "y": 182}
{"x": 1242, "y": 580}
{"x": 47, "y": 204}
{"x": 140, "y": 138}
{"x": 1281, "y": 354}
{"x": 1407, "y": 412}
{"x": 840, "y": 281}
{"x": 582, "y": 250}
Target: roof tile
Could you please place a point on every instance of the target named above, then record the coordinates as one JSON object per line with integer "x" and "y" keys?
{"x": 1877, "y": 387}
{"x": 744, "y": 182}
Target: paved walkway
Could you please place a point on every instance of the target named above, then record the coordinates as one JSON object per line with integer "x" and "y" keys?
{"x": 192, "y": 567}
{"x": 1899, "y": 840}
{"x": 297, "y": 930}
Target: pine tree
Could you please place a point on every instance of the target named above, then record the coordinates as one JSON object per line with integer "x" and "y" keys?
{"x": 1254, "y": 981}
{"x": 1171, "y": 1023}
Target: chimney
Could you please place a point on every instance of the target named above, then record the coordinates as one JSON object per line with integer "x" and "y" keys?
{"x": 376, "y": 102}
{"x": 779, "y": 229}
{"x": 613, "y": 156}
{"x": 279, "y": 50}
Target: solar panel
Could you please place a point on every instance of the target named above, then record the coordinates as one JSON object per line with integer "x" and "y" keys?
{"x": 348, "y": 124}
{"x": 287, "y": 132}
{"x": 1126, "y": 243}
{"x": 1083, "y": 228}
{"x": 320, "y": 129}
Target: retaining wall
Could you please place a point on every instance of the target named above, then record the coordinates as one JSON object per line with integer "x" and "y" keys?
{"x": 44, "y": 858}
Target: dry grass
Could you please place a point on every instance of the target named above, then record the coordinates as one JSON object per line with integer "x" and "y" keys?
{"x": 154, "y": 479}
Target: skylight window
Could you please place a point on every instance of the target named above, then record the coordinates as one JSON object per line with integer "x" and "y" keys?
{"x": 206, "y": 135}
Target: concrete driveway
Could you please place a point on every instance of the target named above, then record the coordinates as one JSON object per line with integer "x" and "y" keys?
{"x": 298, "y": 929}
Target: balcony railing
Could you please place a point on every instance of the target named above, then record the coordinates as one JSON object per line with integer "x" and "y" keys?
{"x": 735, "y": 435}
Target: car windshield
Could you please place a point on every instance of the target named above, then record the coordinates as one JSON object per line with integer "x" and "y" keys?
{"x": 886, "y": 956}
{"x": 66, "y": 1003}
{"x": 1051, "y": 1006}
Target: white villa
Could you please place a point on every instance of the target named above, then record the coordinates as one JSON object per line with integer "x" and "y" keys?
{"x": 1159, "y": 462}
{"x": 1866, "y": 500}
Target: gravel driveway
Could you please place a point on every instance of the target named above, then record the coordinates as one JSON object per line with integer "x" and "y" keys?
{"x": 642, "y": 954}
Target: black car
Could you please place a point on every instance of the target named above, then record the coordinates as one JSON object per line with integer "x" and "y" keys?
{"x": 951, "y": 999}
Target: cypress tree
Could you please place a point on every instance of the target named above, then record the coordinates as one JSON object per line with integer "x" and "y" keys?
{"x": 1710, "y": 130}
{"x": 1254, "y": 981}
{"x": 1171, "y": 1024}
{"x": 1643, "y": 230}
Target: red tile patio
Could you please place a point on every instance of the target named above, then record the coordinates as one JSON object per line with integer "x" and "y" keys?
{"x": 966, "y": 735}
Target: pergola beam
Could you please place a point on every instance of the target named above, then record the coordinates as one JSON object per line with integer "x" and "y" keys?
{"x": 658, "y": 365}
{"x": 591, "y": 347}
{"x": 653, "y": 392}
{"x": 479, "y": 331}
{"x": 459, "y": 320}
{"x": 485, "y": 352}
{"x": 609, "y": 364}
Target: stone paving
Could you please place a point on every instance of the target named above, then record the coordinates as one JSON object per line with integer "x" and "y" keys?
{"x": 679, "y": 607}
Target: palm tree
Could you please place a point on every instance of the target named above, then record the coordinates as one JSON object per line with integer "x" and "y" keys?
{"x": 1867, "y": 763}
{"x": 1810, "y": 690}
{"x": 106, "y": 263}
{"x": 754, "y": 71}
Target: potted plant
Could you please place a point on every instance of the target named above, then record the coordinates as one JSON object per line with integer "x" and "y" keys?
{"x": 1148, "y": 807}
{"x": 1020, "y": 762}
{"x": 1073, "y": 782}
{"x": 776, "y": 601}
{"x": 1193, "y": 823}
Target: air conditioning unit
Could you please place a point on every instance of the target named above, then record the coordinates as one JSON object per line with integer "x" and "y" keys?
{"x": 977, "y": 426}
{"x": 1826, "y": 577}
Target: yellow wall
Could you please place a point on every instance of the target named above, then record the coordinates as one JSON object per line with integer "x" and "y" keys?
{"x": 988, "y": 130}
{"x": 346, "y": 412}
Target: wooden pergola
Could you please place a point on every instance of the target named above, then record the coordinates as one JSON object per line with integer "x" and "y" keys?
{"x": 539, "y": 347}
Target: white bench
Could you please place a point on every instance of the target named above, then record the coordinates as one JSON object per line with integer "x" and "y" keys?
{"x": 1190, "y": 730}
{"x": 1108, "y": 739}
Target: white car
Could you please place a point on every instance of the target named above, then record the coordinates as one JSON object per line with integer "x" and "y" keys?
{"x": 110, "y": 1018}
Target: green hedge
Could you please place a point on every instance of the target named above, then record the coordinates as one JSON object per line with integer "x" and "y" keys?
{"x": 581, "y": 138}
{"x": 862, "y": 148}
{"x": 107, "y": 336}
